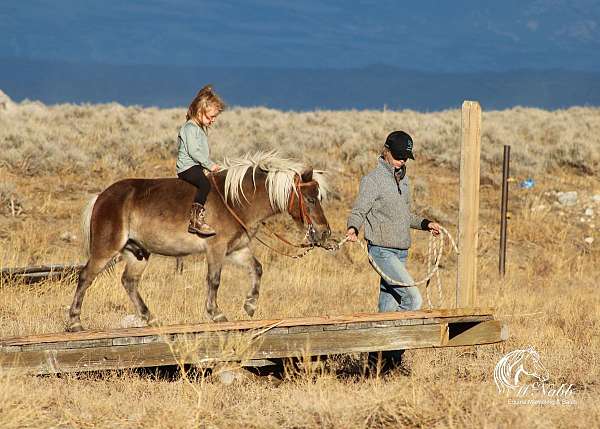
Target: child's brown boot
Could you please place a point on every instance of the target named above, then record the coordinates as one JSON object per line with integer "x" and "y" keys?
{"x": 197, "y": 224}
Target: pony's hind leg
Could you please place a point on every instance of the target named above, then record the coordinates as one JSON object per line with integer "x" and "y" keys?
{"x": 245, "y": 258}
{"x": 87, "y": 275}
{"x": 214, "y": 257}
{"x": 179, "y": 265}
{"x": 134, "y": 268}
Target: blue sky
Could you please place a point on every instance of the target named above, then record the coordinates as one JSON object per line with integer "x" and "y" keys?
{"x": 458, "y": 36}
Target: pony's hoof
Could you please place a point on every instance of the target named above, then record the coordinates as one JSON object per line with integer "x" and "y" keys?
{"x": 153, "y": 322}
{"x": 250, "y": 308}
{"x": 75, "y": 327}
{"x": 219, "y": 318}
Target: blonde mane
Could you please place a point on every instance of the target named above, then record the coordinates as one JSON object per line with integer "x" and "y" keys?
{"x": 280, "y": 177}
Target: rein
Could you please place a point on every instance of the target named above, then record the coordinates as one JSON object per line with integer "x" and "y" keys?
{"x": 303, "y": 215}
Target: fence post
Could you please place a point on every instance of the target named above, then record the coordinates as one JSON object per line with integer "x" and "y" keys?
{"x": 468, "y": 216}
{"x": 503, "y": 210}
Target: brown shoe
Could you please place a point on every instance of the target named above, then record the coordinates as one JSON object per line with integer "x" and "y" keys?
{"x": 197, "y": 224}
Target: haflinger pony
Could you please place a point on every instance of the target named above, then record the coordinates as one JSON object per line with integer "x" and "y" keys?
{"x": 134, "y": 218}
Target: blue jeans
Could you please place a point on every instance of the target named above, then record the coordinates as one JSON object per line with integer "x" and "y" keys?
{"x": 393, "y": 298}
{"x": 393, "y": 263}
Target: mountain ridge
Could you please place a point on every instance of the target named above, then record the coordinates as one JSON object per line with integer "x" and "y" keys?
{"x": 368, "y": 87}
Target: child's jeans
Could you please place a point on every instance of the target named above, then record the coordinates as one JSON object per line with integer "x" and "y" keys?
{"x": 195, "y": 175}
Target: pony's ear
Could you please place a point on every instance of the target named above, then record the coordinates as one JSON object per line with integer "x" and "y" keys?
{"x": 307, "y": 175}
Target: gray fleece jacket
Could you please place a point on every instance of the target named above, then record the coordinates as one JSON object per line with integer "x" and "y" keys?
{"x": 193, "y": 148}
{"x": 383, "y": 205}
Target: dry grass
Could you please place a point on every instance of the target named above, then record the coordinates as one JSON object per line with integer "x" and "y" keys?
{"x": 53, "y": 158}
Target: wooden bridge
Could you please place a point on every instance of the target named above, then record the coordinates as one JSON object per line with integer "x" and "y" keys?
{"x": 250, "y": 343}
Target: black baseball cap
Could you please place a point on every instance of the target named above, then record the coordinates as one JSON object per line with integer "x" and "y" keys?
{"x": 400, "y": 145}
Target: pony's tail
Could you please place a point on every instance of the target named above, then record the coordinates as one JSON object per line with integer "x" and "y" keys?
{"x": 86, "y": 218}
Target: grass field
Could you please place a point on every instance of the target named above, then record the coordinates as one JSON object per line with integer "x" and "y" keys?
{"x": 54, "y": 158}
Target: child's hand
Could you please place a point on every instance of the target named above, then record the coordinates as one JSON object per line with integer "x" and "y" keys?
{"x": 215, "y": 168}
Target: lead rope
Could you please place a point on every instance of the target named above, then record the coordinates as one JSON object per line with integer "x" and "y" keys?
{"x": 435, "y": 250}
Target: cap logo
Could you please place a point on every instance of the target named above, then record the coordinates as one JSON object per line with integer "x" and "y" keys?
{"x": 409, "y": 145}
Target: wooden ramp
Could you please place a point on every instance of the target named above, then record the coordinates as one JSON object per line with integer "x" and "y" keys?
{"x": 248, "y": 342}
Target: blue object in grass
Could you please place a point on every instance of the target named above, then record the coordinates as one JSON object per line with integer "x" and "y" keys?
{"x": 527, "y": 183}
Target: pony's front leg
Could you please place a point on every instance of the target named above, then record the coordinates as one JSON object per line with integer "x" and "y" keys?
{"x": 213, "y": 279}
{"x": 245, "y": 258}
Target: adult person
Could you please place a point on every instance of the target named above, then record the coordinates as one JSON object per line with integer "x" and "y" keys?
{"x": 383, "y": 205}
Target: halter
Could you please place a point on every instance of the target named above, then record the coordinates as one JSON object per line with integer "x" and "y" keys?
{"x": 304, "y": 216}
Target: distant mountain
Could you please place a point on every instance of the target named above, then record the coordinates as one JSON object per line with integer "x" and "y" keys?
{"x": 443, "y": 36}
{"x": 371, "y": 87}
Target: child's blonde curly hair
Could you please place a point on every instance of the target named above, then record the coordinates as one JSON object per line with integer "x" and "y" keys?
{"x": 205, "y": 98}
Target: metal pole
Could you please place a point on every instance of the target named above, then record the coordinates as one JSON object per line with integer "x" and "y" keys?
{"x": 503, "y": 210}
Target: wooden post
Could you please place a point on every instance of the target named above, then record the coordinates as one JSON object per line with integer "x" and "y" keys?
{"x": 468, "y": 216}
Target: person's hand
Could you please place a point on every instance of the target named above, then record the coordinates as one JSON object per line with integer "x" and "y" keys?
{"x": 351, "y": 235}
{"x": 215, "y": 168}
{"x": 434, "y": 227}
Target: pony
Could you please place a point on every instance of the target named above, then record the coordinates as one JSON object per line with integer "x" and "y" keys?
{"x": 134, "y": 218}
{"x": 513, "y": 365}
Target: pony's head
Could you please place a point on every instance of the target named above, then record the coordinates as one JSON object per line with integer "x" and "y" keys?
{"x": 305, "y": 206}
{"x": 291, "y": 187}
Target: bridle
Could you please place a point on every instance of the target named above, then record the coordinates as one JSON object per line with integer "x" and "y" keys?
{"x": 304, "y": 217}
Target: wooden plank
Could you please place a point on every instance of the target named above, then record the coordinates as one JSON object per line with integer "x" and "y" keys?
{"x": 491, "y": 331}
{"x": 404, "y": 322}
{"x": 462, "y": 319}
{"x": 468, "y": 217}
{"x": 305, "y": 328}
{"x": 350, "y": 341}
{"x": 39, "y": 273}
{"x": 411, "y": 317}
{"x": 336, "y": 327}
{"x": 69, "y": 344}
{"x": 11, "y": 349}
{"x": 360, "y": 325}
{"x": 55, "y": 268}
{"x": 214, "y": 347}
{"x": 211, "y": 347}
